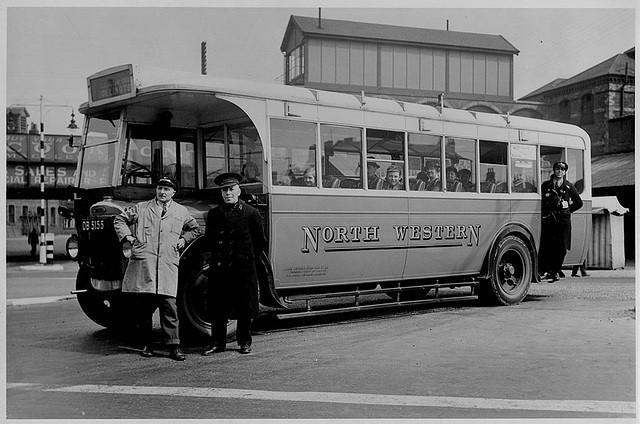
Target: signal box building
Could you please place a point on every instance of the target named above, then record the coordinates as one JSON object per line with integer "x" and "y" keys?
{"x": 473, "y": 71}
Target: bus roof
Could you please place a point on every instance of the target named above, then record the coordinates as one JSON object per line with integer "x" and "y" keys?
{"x": 148, "y": 80}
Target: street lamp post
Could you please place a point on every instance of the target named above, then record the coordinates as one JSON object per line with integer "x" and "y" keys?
{"x": 44, "y": 227}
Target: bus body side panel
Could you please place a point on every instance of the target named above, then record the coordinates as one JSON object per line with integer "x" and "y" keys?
{"x": 327, "y": 239}
{"x": 447, "y": 237}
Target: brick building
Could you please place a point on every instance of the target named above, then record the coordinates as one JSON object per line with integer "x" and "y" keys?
{"x": 601, "y": 100}
{"x": 23, "y": 201}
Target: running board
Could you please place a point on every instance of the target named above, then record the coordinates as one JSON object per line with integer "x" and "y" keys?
{"x": 357, "y": 308}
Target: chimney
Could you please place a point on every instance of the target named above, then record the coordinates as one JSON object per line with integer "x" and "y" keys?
{"x": 320, "y": 17}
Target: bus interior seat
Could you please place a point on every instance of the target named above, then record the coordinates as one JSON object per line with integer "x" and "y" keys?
{"x": 330, "y": 182}
{"x": 488, "y": 187}
{"x": 379, "y": 184}
{"x": 350, "y": 183}
{"x": 501, "y": 187}
{"x": 416, "y": 184}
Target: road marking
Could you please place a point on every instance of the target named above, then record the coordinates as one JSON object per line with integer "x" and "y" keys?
{"x": 37, "y": 300}
{"x": 595, "y": 406}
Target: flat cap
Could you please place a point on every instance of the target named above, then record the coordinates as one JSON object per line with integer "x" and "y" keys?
{"x": 227, "y": 179}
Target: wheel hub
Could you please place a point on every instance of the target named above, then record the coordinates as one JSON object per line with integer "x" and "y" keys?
{"x": 508, "y": 274}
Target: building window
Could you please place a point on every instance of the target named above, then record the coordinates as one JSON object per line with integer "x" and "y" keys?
{"x": 295, "y": 63}
{"x": 52, "y": 217}
{"x": 12, "y": 214}
{"x": 564, "y": 113}
{"x": 586, "y": 110}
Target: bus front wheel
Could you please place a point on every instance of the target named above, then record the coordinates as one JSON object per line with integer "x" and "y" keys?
{"x": 511, "y": 272}
{"x": 193, "y": 306}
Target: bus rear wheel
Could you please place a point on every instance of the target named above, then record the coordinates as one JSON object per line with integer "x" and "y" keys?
{"x": 194, "y": 309}
{"x": 99, "y": 306}
{"x": 511, "y": 273}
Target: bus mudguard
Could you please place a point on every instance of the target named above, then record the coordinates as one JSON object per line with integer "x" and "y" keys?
{"x": 268, "y": 295}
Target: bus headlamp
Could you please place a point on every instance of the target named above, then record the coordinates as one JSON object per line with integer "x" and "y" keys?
{"x": 72, "y": 247}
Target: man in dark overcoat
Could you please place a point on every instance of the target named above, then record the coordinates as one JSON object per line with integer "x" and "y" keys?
{"x": 235, "y": 236}
{"x": 559, "y": 200}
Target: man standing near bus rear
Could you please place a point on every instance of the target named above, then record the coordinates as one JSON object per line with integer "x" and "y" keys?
{"x": 163, "y": 229}
{"x": 234, "y": 234}
{"x": 559, "y": 200}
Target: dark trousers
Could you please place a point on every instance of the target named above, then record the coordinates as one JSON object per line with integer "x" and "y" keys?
{"x": 555, "y": 241}
{"x": 147, "y": 305}
{"x": 219, "y": 331}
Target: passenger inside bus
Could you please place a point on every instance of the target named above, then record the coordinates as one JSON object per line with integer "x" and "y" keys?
{"x": 453, "y": 184}
{"x": 375, "y": 182}
{"x": 464, "y": 175}
{"x": 393, "y": 180}
{"x": 250, "y": 173}
{"x": 489, "y": 184}
{"x": 431, "y": 177}
{"x": 309, "y": 177}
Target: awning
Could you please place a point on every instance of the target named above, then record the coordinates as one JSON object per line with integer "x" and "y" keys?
{"x": 600, "y": 205}
{"x": 614, "y": 170}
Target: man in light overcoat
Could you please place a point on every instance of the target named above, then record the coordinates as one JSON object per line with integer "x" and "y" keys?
{"x": 161, "y": 228}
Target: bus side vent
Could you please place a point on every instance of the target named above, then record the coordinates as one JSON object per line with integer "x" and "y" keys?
{"x": 425, "y": 125}
{"x": 288, "y": 110}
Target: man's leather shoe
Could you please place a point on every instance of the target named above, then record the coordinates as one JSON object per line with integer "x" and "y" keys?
{"x": 554, "y": 278}
{"x": 212, "y": 349}
{"x": 245, "y": 349}
{"x": 176, "y": 354}
{"x": 147, "y": 352}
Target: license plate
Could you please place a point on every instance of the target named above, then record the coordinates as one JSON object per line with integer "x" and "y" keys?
{"x": 94, "y": 224}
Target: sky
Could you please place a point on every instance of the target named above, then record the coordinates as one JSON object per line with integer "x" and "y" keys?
{"x": 50, "y": 51}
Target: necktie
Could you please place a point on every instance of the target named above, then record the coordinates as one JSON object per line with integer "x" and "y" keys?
{"x": 164, "y": 210}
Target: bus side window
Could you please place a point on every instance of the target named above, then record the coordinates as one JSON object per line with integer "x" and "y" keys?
{"x": 341, "y": 155}
{"x": 293, "y": 150}
{"x": 575, "y": 174}
{"x": 549, "y": 156}
{"x": 493, "y": 167}
{"x": 524, "y": 169}
{"x": 215, "y": 162}
{"x": 424, "y": 149}
{"x": 460, "y": 171}
{"x": 386, "y": 149}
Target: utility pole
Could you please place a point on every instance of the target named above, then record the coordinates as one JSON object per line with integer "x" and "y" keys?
{"x": 203, "y": 58}
{"x": 45, "y": 237}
